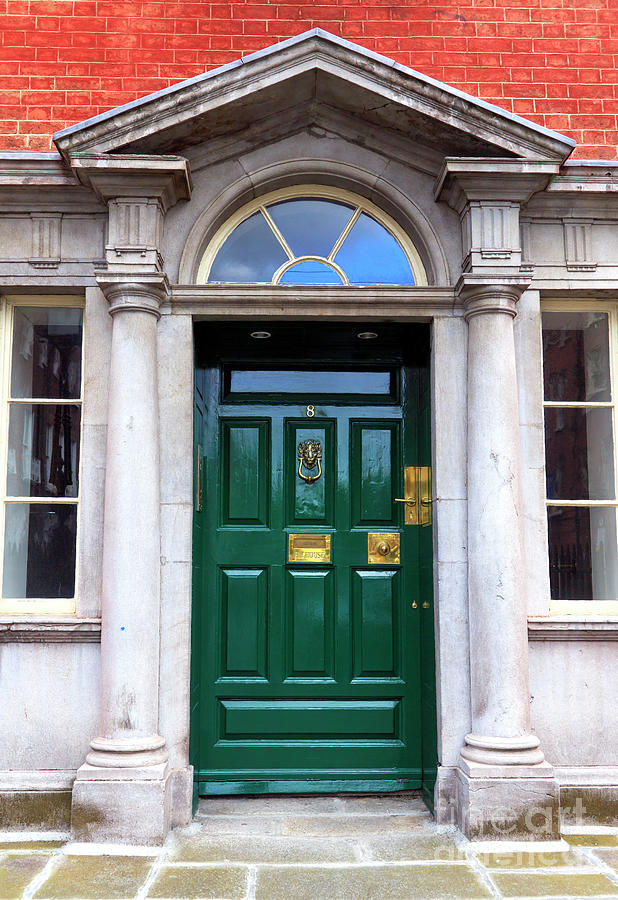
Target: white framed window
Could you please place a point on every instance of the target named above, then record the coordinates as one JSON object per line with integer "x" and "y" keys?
{"x": 40, "y": 444}
{"x": 580, "y": 384}
{"x": 312, "y": 235}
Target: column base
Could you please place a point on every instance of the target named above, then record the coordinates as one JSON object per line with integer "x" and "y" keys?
{"x": 507, "y": 803}
{"x": 523, "y": 750}
{"x": 124, "y": 805}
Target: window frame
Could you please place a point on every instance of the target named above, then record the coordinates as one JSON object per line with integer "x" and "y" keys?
{"x": 35, "y": 606}
{"x": 317, "y": 191}
{"x": 602, "y": 608}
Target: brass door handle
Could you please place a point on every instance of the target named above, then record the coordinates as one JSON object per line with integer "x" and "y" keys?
{"x": 411, "y": 501}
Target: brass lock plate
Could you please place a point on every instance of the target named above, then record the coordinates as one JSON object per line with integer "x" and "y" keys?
{"x": 309, "y": 548}
{"x": 383, "y": 548}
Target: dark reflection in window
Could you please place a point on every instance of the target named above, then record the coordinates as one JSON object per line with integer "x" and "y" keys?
{"x": 582, "y": 553}
{"x": 289, "y": 381}
{"x": 576, "y": 356}
{"x": 579, "y": 453}
{"x": 43, "y": 455}
{"x": 46, "y": 354}
{"x": 39, "y": 550}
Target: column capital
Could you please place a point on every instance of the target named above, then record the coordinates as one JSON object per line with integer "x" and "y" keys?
{"x": 490, "y": 294}
{"x": 145, "y": 295}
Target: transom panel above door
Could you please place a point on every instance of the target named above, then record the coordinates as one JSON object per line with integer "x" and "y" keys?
{"x": 307, "y": 646}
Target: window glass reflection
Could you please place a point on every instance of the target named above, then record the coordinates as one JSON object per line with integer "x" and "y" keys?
{"x": 310, "y": 271}
{"x": 43, "y": 453}
{"x": 250, "y": 255}
{"x": 576, "y": 356}
{"x": 579, "y": 450}
{"x": 46, "y": 353}
{"x": 370, "y": 255}
{"x": 39, "y": 550}
{"x": 311, "y": 227}
{"x": 582, "y": 553}
{"x": 288, "y": 381}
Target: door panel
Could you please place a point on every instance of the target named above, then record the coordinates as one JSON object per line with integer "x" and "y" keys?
{"x": 308, "y": 672}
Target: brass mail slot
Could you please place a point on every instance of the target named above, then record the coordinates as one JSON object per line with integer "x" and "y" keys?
{"x": 309, "y": 548}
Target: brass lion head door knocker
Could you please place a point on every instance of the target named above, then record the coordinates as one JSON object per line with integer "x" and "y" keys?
{"x": 309, "y": 456}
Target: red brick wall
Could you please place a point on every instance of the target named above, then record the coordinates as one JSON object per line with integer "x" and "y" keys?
{"x": 553, "y": 61}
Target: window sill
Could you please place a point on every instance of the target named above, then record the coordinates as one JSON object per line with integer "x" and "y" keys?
{"x": 570, "y": 628}
{"x": 49, "y": 629}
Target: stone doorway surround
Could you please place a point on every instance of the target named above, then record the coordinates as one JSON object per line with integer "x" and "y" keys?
{"x": 136, "y": 779}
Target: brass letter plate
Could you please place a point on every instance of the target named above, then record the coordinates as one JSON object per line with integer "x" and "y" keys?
{"x": 309, "y": 548}
{"x": 383, "y": 549}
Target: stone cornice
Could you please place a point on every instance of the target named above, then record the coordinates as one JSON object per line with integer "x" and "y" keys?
{"x": 462, "y": 181}
{"x": 219, "y": 301}
{"x": 165, "y": 178}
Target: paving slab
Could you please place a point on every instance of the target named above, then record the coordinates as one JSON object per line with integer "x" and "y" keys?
{"x": 609, "y": 857}
{"x": 89, "y": 877}
{"x": 189, "y": 882}
{"x": 393, "y": 847}
{"x": 592, "y": 840}
{"x": 10, "y": 846}
{"x": 259, "y": 849}
{"x": 527, "y": 860}
{"x": 456, "y": 882}
{"x": 16, "y": 872}
{"x": 554, "y": 884}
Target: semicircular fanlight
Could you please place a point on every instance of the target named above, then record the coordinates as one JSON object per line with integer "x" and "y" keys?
{"x": 311, "y": 240}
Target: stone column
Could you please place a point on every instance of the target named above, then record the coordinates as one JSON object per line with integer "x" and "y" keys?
{"x": 125, "y": 774}
{"x": 504, "y": 779}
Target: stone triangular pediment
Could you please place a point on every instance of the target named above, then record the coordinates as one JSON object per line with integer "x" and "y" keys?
{"x": 313, "y": 71}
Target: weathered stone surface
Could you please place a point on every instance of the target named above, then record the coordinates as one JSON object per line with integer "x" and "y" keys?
{"x": 36, "y": 810}
{"x": 96, "y": 876}
{"x": 415, "y": 846}
{"x": 255, "y": 849}
{"x": 554, "y": 884}
{"x": 383, "y": 882}
{"x": 527, "y": 860}
{"x": 212, "y": 881}
{"x": 609, "y": 857}
{"x": 351, "y": 824}
{"x": 587, "y": 805}
{"x": 592, "y": 840}
{"x": 16, "y": 872}
{"x": 17, "y": 846}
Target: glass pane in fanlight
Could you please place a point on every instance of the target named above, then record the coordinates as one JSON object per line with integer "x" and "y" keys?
{"x": 250, "y": 254}
{"x": 583, "y": 562}
{"x": 46, "y": 358}
{"x": 311, "y": 226}
{"x": 576, "y": 356}
{"x": 370, "y": 255}
{"x": 39, "y": 550}
{"x": 43, "y": 453}
{"x": 310, "y": 271}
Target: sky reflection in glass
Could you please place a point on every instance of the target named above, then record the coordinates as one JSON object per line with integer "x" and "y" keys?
{"x": 249, "y": 255}
{"x": 311, "y": 226}
{"x": 310, "y": 271}
{"x": 370, "y": 255}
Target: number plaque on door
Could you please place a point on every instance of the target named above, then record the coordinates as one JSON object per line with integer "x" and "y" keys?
{"x": 309, "y": 548}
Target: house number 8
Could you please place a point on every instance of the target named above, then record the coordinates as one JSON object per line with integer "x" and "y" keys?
{"x": 311, "y": 411}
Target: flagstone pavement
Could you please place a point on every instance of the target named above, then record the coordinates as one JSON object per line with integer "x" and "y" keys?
{"x": 309, "y": 848}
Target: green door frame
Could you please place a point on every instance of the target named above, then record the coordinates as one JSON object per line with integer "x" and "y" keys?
{"x": 411, "y": 343}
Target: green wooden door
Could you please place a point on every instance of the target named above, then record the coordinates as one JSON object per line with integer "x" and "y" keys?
{"x": 307, "y": 675}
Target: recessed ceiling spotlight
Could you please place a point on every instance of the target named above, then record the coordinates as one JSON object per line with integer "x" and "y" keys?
{"x": 260, "y": 335}
{"x": 367, "y": 335}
